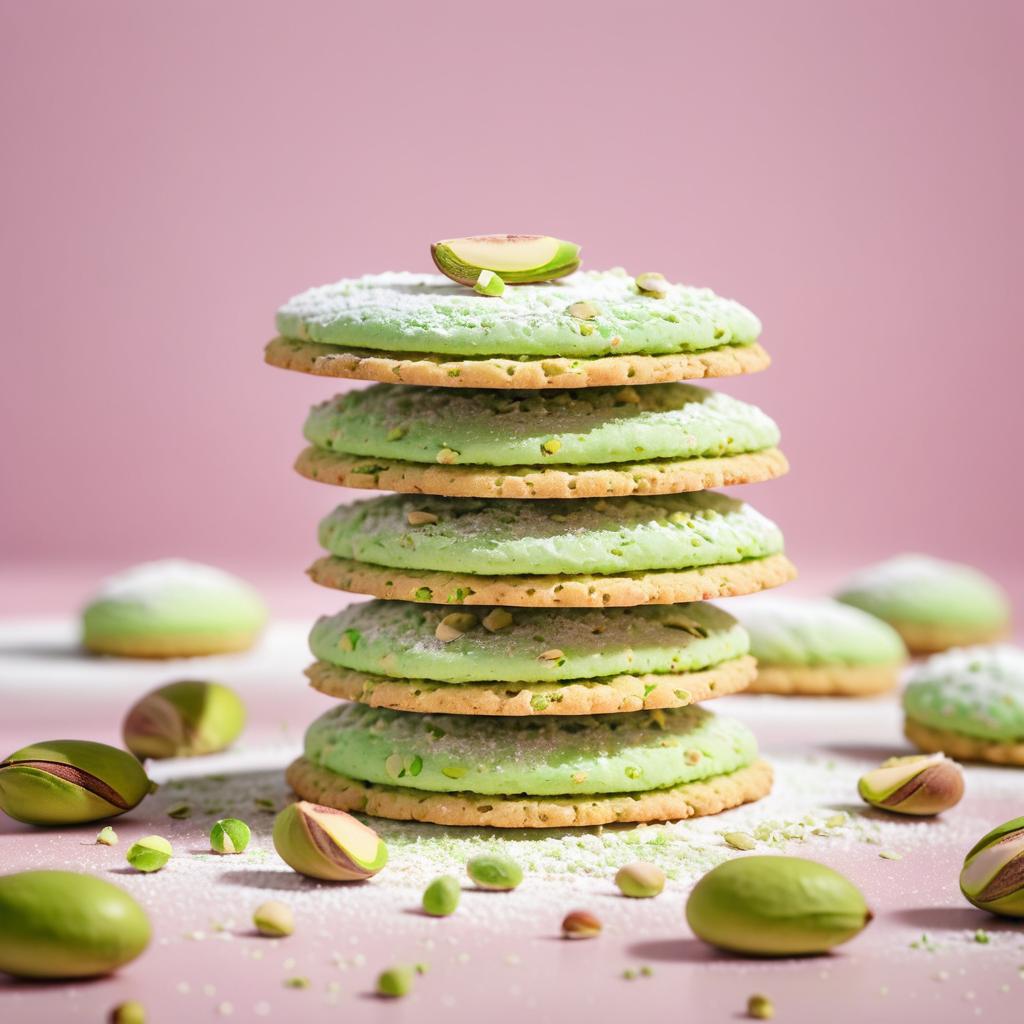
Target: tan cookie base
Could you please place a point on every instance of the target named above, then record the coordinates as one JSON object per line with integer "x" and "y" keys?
{"x": 661, "y": 476}
{"x": 961, "y": 747}
{"x": 832, "y": 681}
{"x": 691, "y": 800}
{"x": 170, "y": 646}
{"x": 549, "y": 372}
{"x": 597, "y": 697}
{"x": 656, "y": 587}
{"x": 928, "y": 639}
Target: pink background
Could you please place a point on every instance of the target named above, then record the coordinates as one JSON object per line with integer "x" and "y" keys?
{"x": 174, "y": 172}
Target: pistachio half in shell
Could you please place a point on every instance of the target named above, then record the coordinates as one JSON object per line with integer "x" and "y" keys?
{"x": 184, "y": 719}
{"x": 322, "y": 842}
{"x": 993, "y": 873}
{"x": 67, "y": 782}
{"x": 919, "y": 784}
{"x": 517, "y": 259}
{"x": 775, "y": 906}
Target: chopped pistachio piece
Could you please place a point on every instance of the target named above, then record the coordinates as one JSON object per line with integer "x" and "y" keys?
{"x": 107, "y": 837}
{"x": 497, "y": 619}
{"x": 553, "y": 655}
{"x": 417, "y": 517}
{"x": 652, "y": 284}
{"x": 489, "y": 283}
{"x": 740, "y": 840}
{"x": 583, "y": 311}
{"x": 452, "y": 626}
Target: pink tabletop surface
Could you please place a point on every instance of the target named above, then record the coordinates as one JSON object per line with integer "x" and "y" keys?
{"x": 500, "y": 956}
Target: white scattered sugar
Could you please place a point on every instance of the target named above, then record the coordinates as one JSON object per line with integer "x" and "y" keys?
{"x": 167, "y": 579}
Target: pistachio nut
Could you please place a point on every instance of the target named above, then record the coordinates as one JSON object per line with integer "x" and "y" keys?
{"x": 67, "y": 782}
{"x": 184, "y": 719}
{"x": 106, "y": 837}
{"x": 395, "y": 982}
{"x": 640, "y": 880}
{"x": 489, "y": 283}
{"x": 325, "y": 843}
{"x": 441, "y": 897}
{"x": 652, "y": 284}
{"x": 132, "y": 1012}
{"x": 760, "y": 1007}
{"x": 229, "y": 835}
{"x": 489, "y": 871}
{"x": 518, "y": 259}
{"x": 993, "y": 873}
{"x": 274, "y": 919}
{"x": 775, "y": 906}
{"x": 581, "y": 924}
{"x": 149, "y": 854}
{"x": 60, "y": 924}
{"x": 922, "y": 784}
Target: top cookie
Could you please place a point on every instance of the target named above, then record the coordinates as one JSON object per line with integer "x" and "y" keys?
{"x": 932, "y": 603}
{"x": 427, "y": 313}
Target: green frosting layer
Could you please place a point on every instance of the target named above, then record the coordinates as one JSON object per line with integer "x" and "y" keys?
{"x": 609, "y": 535}
{"x": 396, "y": 638}
{"x": 927, "y": 591}
{"x": 173, "y": 597}
{"x": 531, "y": 756}
{"x": 977, "y": 691}
{"x": 787, "y": 631}
{"x": 592, "y": 426}
{"x": 400, "y": 312}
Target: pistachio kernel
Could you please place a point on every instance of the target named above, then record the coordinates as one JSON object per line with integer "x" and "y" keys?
{"x": 229, "y": 835}
{"x": 740, "y": 840}
{"x": 993, "y": 873}
{"x": 519, "y": 259}
{"x": 274, "y": 919}
{"x": 551, "y": 446}
{"x": 453, "y": 625}
{"x": 441, "y": 897}
{"x": 447, "y": 456}
{"x": 489, "y": 283}
{"x": 417, "y": 517}
{"x": 106, "y": 837}
{"x": 151, "y": 853}
{"x": 497, "y": 619}
{"x": 490, "y": 871}
{"x": 652, "y": 284}
{"x": 760, "y": 1008}
{"x": 919, "y": 785}
{"x": 131, "y": 1012}
{"x": 581, "y": 924}
{"x": 583, "y": 311}
{"x": 395, "y": 982}
{"x": 553, "y": 655}
{"x": 640, "y": 880}
{"x": 326, "y": 843}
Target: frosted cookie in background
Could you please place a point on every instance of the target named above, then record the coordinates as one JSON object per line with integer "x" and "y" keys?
{"x": 932, "y": 604}
{"x": 819, "y": 647}
{"x": 969, "y": 703}
{"x": 172, "y": 609}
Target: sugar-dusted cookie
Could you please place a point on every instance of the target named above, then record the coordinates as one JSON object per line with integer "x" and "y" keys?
{"x": 518, "y": 772}
{"x": 933, "y": 604}
{"x": 969, "y": 703}
{"x": 172, "y": 609}
{"x": 820, "y": 648}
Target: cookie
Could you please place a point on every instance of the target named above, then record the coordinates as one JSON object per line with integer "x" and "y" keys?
{"x": 435, "y": 370}
{"x": 607, "y": 695}
{"x": 820, "y": 648}
{"x": 933, "y": 604}
{"x": 581, "y": 755}
{"x": 428, "y": 313}
{"x": 689, "y": 800}
{"x": 584, "y": 591}
{"x": 969, "y": 703}
{"x": 600, "y": 537}
{"x": 172, "y": 609}
{"x": 524, "y": 645}
{"x": 519, "y": 429}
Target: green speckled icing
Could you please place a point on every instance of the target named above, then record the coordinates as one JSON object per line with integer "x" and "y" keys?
{"x": 618, "y": 753}
{"x": 396, "y": 638}
{"x": 807, "y": 633}
{"x": 400, "y": 312}
{"x": 173, "y": 597}
{"x": 976, "y": 691}
{"x": 928, "y": 591}
{"x": 609, "y": 535}
{"x": 589, "y": 427}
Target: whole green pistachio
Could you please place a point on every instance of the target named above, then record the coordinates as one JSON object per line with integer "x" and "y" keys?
{"x": 775, "y": 906}
{"x": 441, "y": 897}
{"x": 132, "y": 1012}
{"x": 993, "y": 873}
{"x": 59, "y": 924}
{"x": 184, "y": 719}
{"x": 395, "y": 982}
{"x": 274, "y": 918}
{"x": 922, "y": 784}
{"x": 229, "y": 835}
{"x": 518, "y": 259}
{"x": 640, "y": 880}
{"x": 326, "y": 843}
{"x": 149, "y": 854}
{"x": 67, "y": 782}
{"x": 490, "y": 871}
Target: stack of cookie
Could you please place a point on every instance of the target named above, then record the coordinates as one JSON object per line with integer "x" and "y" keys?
{"x": 536, "y": 652}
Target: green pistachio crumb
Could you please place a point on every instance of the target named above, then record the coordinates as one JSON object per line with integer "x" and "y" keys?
{"x": 740, "y": 840}
{"x": 299, "y": 982}
{"x": 490, "y": 871}
{"x": 107, "y": 836}
{"x": 441, "y": 897}
{"x": 760, "y": 1008}
{"x": 395, "y": 982}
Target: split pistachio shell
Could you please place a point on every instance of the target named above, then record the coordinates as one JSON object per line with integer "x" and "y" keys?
{"x": 775, "y": 906}
{"x": 919, "y": 785}
{"x": 517, "y": 259}
{"x": 993, "y": 874}
{"x": 184, "y": 719}
{"x": 229, "y": 835}
{"x": 490, "y": 871}
{"x": 59, "y": 924}
{"x": 274, "y": 919}
{"x": 149, "y": 854}
{"x": 67, "y": 782}
{"x": 640, "y": 880}
{"x": 325, "y": 843}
